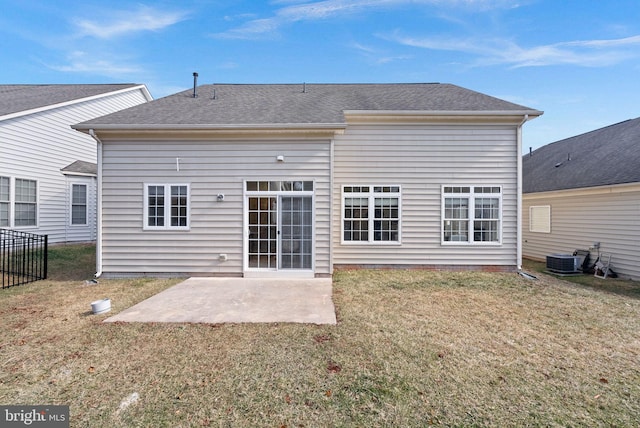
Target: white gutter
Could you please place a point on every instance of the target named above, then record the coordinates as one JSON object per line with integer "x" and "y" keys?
{"x": 77, "y": 174}
{"x": 519, "y": 191}
{"x": 209, "y": 126}
{"x": 99, "y": 206}
{"x": 527, "y": 113}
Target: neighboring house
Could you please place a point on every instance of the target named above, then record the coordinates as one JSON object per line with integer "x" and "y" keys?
{"x": 301, "y": 179}
{"x": 48, "y": 170}
{"x": 586, "y": 190}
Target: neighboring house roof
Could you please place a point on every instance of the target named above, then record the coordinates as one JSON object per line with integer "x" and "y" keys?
{"x": 238, "y": 105}
{"x": 606, "y": 156}
{"x": 80, "y": 168}
{"x": 15, "y": 99}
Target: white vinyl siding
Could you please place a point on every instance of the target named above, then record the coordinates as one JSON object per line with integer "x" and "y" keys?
{"x": 211, "y": 167}
{"x": 540, "y": 219}
{"x": 79, "y": 206}
{"x": 423, "y": 158}
{"x": 38, "y": 145}
{"x": 609, "y": 215}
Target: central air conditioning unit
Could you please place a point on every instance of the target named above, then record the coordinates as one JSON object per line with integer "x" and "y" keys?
{"x": 563, "y": 263}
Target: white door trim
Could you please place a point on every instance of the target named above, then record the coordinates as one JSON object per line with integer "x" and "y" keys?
{"x": 252, "y": 272}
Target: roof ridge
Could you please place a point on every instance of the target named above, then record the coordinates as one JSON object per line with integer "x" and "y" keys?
{"x": 586, "y": 133}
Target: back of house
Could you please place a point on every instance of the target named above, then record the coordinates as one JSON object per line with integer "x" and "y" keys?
{"x": 302, "y": 179}
{"x": 48, "y": 171}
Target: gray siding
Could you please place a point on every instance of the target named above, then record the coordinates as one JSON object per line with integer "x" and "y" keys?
{"x": 38, "y": 145}
{"x": 580, "y": 218}
{"x": 210, "y": 167}
{"x": 422, "y": 158}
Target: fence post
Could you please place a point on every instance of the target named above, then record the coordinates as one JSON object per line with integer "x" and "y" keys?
{"x": 46, "y": 256}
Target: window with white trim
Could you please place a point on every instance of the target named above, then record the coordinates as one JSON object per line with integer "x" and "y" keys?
{"x": 5, "y": 201}
{"x": 26, "y": 202}
{"x": 78, "y": 204}
{"x": 540, "y": 219}
{"x": 471, "y": 214}
{"x": 166, "y": 206}
{"x": 371, "y": 214}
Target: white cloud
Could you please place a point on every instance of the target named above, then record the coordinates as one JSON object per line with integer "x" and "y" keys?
{"x": 627, "y": 41}
{"x": 81, "y": 62}
{"x": 588, "y": 53}
{"x": 229, "y": 65}
{"x": 375, "y": 56}
{"x": 362, "y": 48}
{"x": 309, "y": 11}
{"x": 120, "y": 23}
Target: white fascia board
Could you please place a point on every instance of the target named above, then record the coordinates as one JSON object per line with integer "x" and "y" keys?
{"x": 142, "y": 88}
{"x": 78, "y": 174}
{"x": 207, "y": 127}
{"x": 204, "y": 131}
{"x": 584, "y": 191}
{"x": 530, "y": 113}
{"x": 513, "y": 117}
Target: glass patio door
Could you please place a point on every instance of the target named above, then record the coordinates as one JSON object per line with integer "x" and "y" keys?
{"x": 280, "y": 232}
{"x": 296, "y": 229}
{"x": 263, "y": 232}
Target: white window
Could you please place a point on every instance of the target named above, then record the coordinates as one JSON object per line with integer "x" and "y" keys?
{"x": 25, "y": 206}
{"x": 540, "y": 219}
{"x": 371, "y": 214}
{"x": 78, "y": 204}
{"x": 166, "y": 206}
{"x": 5, "y": 201}
{"x": 471, "y": 214}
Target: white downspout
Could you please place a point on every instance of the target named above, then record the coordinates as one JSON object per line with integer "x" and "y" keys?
{"x": 519, "y": 191}
{"x": 99, "y": 206}
{"x": 332, "y": 204}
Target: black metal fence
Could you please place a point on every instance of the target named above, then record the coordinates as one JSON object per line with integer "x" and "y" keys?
{"x": 23, "y": 257}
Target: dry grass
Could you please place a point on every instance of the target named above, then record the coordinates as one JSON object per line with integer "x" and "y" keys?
{"x": 410, "y": 349}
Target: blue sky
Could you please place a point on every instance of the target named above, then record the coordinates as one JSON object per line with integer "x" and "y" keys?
{"x": 578, "y": 61}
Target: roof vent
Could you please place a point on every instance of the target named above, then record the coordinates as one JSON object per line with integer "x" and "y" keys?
{"x": 304, "y": 87}
{"x": 195, "y": 83}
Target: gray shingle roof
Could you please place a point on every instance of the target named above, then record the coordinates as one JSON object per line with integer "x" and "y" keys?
{"x": 606, "y": 156}
{"x": 17, "y": 98}
{"x": 274, "y": 104}
{"x": 81, "y": 167}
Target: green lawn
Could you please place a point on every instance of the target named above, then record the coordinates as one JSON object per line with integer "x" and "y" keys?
{"x": 411, "y": 348}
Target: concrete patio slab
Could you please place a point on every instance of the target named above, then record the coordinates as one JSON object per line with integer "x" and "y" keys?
{"x": 237, "y": 300}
